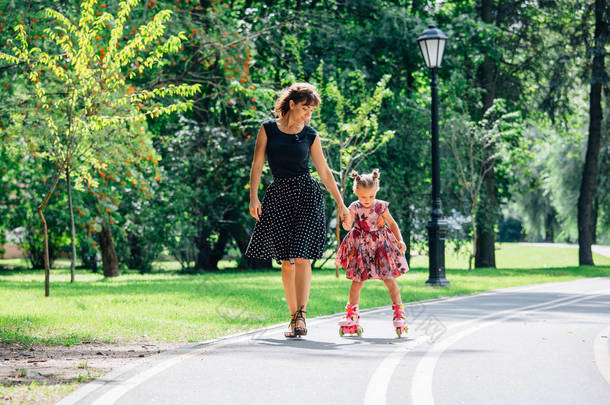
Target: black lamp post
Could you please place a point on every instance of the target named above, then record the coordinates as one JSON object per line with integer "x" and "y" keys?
{"x": 432, "y": 46}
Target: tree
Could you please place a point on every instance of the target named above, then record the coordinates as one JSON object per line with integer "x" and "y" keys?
{"x": 476, "y": 147}
{"x": 586, "y": 218}
{"x": 78, "y": 112}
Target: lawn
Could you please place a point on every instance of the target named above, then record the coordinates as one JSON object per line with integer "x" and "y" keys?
{"x": 170, "y": 306}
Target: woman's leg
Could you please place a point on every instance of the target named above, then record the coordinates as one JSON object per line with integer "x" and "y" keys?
{"x": 354, "y": 292}
{"x": 288, "y": 278}
{"x": 302, "y": 282}
{"x": 394, "y": 290}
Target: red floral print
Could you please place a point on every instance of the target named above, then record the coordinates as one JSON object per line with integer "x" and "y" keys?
{"x": 368, "y": 251}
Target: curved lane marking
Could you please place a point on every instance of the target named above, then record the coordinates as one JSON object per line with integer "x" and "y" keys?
{"x": 602, "y": 357}
{"x": 421, "y": 386}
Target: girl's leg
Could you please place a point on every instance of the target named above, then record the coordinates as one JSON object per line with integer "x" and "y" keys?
{"x": 354, "y": 292}
{"x": 288, "y": 279}
{"x": 302, "y": 282}
{"x": 392, "y": 286}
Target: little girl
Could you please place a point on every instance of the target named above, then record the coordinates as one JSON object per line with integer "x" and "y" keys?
{"x": 371, "y": 251}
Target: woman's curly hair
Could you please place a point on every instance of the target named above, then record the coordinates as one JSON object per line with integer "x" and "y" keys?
{"x": 297, "y": 92}
{"x": 365, "y": 180}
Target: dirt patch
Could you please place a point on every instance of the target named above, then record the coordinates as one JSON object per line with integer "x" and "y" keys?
{"x": 43, "y": 366}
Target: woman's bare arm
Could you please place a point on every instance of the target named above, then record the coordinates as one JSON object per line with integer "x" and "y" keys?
{"x": 319, "y": 161}
{"x": 258, "y": 162}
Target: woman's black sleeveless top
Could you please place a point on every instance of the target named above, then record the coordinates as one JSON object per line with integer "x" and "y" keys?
{"x": 288, "y": 154}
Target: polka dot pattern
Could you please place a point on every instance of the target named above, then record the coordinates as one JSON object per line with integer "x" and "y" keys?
{"x": 292, "y": 222}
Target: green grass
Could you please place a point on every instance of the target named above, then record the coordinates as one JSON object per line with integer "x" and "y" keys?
{"x": 35, "y": 393}
{"x": 169, "y": 306}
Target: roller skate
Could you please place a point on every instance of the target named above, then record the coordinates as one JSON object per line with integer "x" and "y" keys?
{"x": 399, "y": 319}
{"x": 349, "y": 324}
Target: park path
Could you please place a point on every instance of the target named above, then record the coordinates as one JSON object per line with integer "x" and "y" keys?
{"x": 545, "y": 343}
{"x": 599, "y": 249}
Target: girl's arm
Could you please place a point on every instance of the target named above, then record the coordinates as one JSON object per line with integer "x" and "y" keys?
{"x": 394, "y": 227}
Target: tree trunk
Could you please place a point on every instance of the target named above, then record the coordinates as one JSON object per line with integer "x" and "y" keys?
{"x": 204, "y": 252}
{"x": 485, "y": 222}
{"x": 549, "y": 233}
{"x": 595, "y": 213}
{"x": 589, "y": 174}
{"x": 45, "y": 231}
{"x": 110, "y": 261}
{"x": 72, "y": 227}
{"x": 219, "y": 249}
{"x": 486, "y": 218}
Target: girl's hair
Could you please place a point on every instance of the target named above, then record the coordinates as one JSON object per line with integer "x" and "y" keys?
{"x": 297, "y": 92}
{"x": 366, "y": 180}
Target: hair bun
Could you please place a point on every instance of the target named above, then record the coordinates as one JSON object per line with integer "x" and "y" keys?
{"x": 354, "y": 174}
{"x": 375, "y": 173}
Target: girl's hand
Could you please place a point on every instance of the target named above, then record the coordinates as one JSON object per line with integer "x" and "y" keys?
{"x": 344, "y": 213}
{"x": 255, "y": 209}
{"x": 402, "y": 246}
{"x": 347, "y": 223}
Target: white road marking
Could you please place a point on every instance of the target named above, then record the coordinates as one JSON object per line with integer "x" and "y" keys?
{"x": 602, "y": 357}
{"x": 377, "y": 387}
{"x": 111, "y": 396}
{"x": 421, "y": 385}
{"x": 378, "y": 384}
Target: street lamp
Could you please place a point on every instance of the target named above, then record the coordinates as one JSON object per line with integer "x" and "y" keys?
{"x": 432, "y": 46}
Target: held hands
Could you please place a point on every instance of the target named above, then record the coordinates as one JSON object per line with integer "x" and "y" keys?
{"x": 346, "y": 217}
{"x": 255, "y": 209}
{"x": 402, "y": 246}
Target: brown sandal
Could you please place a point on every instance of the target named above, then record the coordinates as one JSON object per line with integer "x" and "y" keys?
{"x": 298, "y": 316}
{"x": 292, "y": 325}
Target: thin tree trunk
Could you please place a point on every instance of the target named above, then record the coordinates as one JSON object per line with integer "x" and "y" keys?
{"x": 110, "y": 261}
{"x": 41, "y": 207}
{"x": 144, "y": 13}
{"x": 72, "y": 227}
{"x": 589, "y": 174}
{"x": 549, "y": 234}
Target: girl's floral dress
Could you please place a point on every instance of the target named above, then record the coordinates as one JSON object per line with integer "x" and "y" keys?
{"x": 370, "y": 252}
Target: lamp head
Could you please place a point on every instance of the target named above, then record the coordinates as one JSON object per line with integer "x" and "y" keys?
{"x": 432, "y": 46}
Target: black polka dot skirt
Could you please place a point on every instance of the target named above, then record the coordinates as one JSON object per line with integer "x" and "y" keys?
{"x": 292, "y": 223}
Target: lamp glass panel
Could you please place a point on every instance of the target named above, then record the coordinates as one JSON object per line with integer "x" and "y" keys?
{"x": 441, "y": 51}
{"x": 424, "y": 52}
{"x": 432, "y": 45}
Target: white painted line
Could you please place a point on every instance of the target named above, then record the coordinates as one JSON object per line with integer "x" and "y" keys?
{"x": 421, "y": 385}
{"x": 602, "y": 357}
{"x": 111, "y": 396}
{"x": 378, "y": 384}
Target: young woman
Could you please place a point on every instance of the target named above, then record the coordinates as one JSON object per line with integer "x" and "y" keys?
{"x": 290, "y": 225}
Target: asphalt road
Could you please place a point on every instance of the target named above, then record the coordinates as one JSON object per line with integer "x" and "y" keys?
{"x": 540, "y": 344}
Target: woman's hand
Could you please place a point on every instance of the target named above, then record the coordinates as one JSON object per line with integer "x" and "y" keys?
{"x": 380, "y": 222}
{"x": 402, "y": 246}
{"x": 255, "y": 208}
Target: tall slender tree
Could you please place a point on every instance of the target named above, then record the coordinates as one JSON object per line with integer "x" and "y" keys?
{"x": 586, "y": 217}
